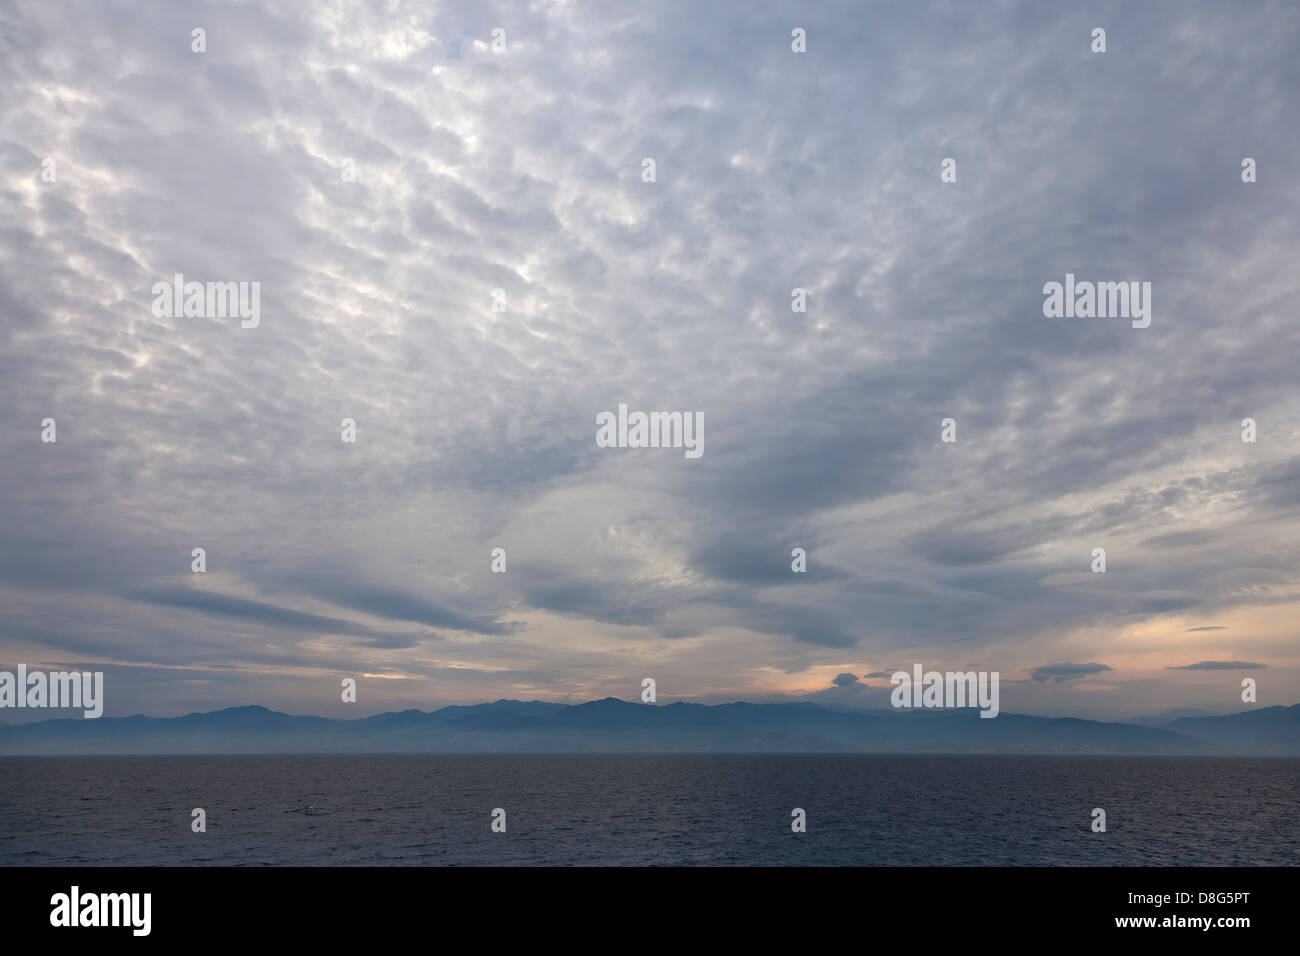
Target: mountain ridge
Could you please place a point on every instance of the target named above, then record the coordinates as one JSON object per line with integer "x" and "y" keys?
{"x": 611, "y": 725}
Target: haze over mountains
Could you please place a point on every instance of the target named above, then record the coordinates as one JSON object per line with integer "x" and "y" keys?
{"x": 616, "y": 726}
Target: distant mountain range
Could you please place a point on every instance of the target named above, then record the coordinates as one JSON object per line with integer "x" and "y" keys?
{"x": 616, "y": 726}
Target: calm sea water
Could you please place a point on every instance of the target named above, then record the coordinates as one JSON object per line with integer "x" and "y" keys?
{"x": 661, "y": 810}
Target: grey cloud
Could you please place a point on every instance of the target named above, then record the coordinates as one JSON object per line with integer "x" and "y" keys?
{"x": 1060, "y": 673}
{"x": 1218, "y": 666}
{"x": 214, "y": 603}
{"x": 522, "y": 171}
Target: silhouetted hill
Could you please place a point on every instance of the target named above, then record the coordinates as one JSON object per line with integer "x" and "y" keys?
{"x": 1169, "y": 716}
{"x": 614, "y": 726}
{"x": 1269, "y": 730}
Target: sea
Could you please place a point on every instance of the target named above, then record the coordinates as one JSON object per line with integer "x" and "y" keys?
{"x": 649, "y": 810}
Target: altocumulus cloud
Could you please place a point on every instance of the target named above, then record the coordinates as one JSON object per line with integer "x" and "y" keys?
{"x": 521, "y": 171}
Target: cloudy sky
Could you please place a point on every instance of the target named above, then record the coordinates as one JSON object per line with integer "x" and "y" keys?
{"x": 521, "y": 170}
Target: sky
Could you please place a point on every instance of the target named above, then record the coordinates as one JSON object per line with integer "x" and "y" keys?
{"x": 519, "y": 168}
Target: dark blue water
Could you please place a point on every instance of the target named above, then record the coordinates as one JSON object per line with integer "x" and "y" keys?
{"x": 675, "y": 810}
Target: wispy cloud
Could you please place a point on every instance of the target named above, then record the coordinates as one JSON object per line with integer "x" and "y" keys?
{"x": 1220, "y": 666}
{"x": 521, "y": 171}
